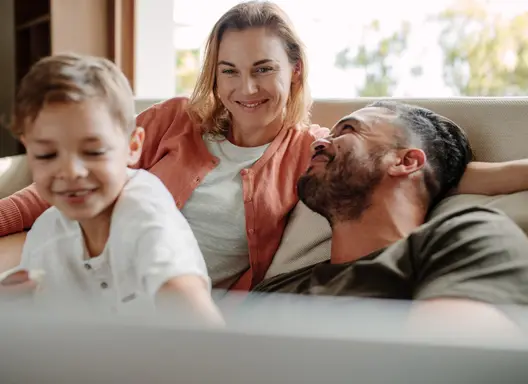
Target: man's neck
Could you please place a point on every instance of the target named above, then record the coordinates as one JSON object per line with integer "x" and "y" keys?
{"x": 388, "y": 219}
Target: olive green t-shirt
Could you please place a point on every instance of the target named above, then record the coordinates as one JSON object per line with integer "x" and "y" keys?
{"x": 474, "y": 253}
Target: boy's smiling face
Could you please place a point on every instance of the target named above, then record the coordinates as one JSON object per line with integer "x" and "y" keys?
{"x": 78, "y": 155}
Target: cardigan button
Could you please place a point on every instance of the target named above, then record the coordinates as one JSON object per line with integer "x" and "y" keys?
{"x": 251, "y": 231}
{"x": 244, "y": 172}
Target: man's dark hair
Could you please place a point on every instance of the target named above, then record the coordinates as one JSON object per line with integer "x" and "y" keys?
{"x": 445, "y": 144}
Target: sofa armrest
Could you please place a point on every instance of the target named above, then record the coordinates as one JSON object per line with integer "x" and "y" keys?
{"x": 14, "y": 174}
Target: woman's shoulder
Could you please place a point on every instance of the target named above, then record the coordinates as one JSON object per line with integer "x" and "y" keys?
{"x": 178, "y": 103}
{"x": 299, "y": 140}
{"x": 173, "y": 107}
{"x": 310, "y": 132}
{"x": 317, "y": 131}
{"x": 167, "y": 115}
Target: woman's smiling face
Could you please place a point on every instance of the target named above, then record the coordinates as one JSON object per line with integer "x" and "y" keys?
{"x": 254, "y": 77}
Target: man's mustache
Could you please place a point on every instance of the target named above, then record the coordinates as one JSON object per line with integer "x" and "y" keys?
{"x": 322, "y": 152}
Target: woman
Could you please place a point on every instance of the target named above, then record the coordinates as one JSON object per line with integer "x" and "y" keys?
{"x": 231, "y": 154}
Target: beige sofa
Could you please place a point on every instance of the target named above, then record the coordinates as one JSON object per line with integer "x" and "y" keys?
{"x": 497, "y": 128}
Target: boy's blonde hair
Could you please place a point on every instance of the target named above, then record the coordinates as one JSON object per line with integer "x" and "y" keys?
{"x": 73, "y": 78}
{"x": 206, "y": 109}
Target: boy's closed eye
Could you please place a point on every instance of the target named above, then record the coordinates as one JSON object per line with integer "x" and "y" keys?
{"x": 98, "y": 152}
{"x": 46, "y": 156}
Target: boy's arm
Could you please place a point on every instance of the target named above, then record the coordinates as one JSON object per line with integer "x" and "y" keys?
{"x": 171, "y": 268}
{"x": 195, "y": 294}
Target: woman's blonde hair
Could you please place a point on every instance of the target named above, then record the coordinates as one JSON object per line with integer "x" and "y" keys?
{"x": 204, "y": 106}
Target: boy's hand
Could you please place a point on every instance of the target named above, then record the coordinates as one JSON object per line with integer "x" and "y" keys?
{"x": 193, "y": 293}
{"x": 18, "y": 283}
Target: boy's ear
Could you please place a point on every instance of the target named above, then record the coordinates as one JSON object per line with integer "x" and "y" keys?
{"x": 22, "y": 139}
{"x": 136, "y": 145}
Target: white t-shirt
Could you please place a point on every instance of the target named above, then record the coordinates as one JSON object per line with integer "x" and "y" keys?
{"x": 150, "y": 242}
{"x": 216, "y": 210}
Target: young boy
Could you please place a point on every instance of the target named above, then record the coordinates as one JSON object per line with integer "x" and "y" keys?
{"x": 113, "y": 236}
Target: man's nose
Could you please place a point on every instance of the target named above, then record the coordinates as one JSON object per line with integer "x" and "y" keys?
{"x": 72, "y": 168}
{"x": 321, "y": 144}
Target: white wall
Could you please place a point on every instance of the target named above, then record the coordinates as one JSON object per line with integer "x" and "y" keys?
{"x": 155, "y": 67}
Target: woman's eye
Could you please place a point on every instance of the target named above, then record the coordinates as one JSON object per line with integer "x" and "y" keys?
{"x": 264, "y": 69}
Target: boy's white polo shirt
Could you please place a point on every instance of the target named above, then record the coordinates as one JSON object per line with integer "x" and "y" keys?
{"x": 150, "y": 242}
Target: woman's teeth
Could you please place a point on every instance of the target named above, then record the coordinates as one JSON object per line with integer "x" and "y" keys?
{"x": 251, "y": 105}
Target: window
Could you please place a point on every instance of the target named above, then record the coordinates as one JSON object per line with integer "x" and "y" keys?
{"x": 374, "y": 48}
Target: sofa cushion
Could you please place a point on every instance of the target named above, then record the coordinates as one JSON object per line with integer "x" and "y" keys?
{"x": 307, "y": 238}
{"x": 306, "y": 241}
{"x": 14, "y": 174}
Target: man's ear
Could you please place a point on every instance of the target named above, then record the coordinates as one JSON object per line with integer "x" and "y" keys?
{"x": 135, "y": 146}
{"x": 407, "y": 161}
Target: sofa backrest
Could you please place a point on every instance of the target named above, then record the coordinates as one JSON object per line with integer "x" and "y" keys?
{"x": 497, "y": 127}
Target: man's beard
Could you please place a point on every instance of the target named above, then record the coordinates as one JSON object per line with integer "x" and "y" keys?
{"x": 344, "y": 191}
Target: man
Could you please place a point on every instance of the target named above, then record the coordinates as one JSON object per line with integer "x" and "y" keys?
{"x": 375, "y": 179}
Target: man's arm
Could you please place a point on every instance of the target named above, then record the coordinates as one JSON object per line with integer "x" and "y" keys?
{"x": 494, "y": 178}
{"x": 467, "y": 268}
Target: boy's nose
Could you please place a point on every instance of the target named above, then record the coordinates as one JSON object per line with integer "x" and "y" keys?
{"x": 72, "y": 169}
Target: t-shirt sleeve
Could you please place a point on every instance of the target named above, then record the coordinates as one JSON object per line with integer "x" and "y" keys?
{"x": 165, "y": 246}
{"x": 165, "y": 252}
{"x": 478, "y": 254}
{"x": 37, "y": 238}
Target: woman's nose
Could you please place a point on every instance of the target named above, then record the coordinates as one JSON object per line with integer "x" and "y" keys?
{"x": 249, "y": 86}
